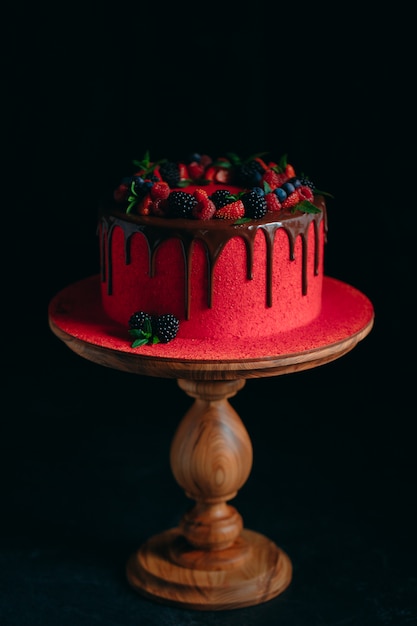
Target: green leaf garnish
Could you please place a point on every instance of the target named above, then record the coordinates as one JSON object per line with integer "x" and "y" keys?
{"x": 132, "y": 199}
{"x": 147, "y": 327}
{"x": 323, "y": 193}
{"x": 306, "y": 207}
{"x": 139, "y": 342}
{"x": 223, "y": 164}
{"x": 242, "y": 220}
{"x": 145, "y": 165}
{"x": 143, "y": 335}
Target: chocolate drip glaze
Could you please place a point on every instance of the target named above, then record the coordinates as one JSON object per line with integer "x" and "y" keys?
{"x": 214, "y": 234}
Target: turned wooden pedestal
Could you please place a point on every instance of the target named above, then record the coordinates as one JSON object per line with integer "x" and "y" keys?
{"x": 210, "y": 561}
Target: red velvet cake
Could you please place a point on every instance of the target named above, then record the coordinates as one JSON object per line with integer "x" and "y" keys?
{"x": 223, "y": 247}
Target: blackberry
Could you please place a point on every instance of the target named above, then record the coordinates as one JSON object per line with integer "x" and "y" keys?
{"x": 181, "y": 204}
{"x": 307, "y": 182}
{"x": 249, "y": 174}
{"x": 255, "y": 204}
{"x": 221, "y": 197}
{"x": 139, "y": 320}
{"x": 170, "y": 173}
{"x": 166, "y": 327}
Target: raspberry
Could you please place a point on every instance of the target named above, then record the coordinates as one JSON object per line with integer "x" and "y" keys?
{"x": 272, "y": 202}
{"x": 195, "y": 170}
{"x": 292, "y": 200}
{"x": 121, "y": 193}
{"x": 305, "y": 193}
{"x": 160, "y": 189}
{"x": 274, "y": 179}
{"x": 205, "y": 208}
{"x": 233, "y": 211}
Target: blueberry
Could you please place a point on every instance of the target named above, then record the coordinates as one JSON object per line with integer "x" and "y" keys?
{"x": 259, "y": 191}
{"x": 288, "y": 187}
{"x": 280, "y": 193}
{"x": 194, "y": 156}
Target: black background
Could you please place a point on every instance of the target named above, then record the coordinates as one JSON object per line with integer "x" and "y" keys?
{"x": 86, "y": 476}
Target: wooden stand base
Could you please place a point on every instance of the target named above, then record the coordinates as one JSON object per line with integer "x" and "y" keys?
{"x": 210, "y": 561}
{"x": 253, "y": 570}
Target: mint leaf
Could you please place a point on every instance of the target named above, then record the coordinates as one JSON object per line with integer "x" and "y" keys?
{"x": 139, "y": 342}
{"x": 147, "y": 328}
{"x": 323, "y": 193}
{"x": 306, "y": 206}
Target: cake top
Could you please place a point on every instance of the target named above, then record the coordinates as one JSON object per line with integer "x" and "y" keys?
{"x": 226, "y": 188}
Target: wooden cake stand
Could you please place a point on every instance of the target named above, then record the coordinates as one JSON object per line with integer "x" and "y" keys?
{"x": 210, "y": 561}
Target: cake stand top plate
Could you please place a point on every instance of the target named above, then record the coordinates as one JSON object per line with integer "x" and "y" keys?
{"x": 76, "y": 317}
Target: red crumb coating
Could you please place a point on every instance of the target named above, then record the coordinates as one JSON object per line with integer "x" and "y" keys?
{"x": 239, "y": 306}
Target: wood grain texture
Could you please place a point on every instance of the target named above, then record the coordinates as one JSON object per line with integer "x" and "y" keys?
{"x": 211, "y": 458}
{"x": 209, "y": 370}
{"x": 210, "y": 561}
{"x": 263, "y": 572}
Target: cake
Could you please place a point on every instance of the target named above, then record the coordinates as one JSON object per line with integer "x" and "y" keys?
{"x": 204, "y": 248}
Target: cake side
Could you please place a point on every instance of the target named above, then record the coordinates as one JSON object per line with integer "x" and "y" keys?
{"x": 255, "y": 278}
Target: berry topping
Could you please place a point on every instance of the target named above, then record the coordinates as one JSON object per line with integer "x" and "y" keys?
{"x": 272, "y": 202}
{"x": 274, "y": 179}
{"x": 205, "y": 208}
{"x": 181, "y": 204}
{"x": 170, "y": 173}
{"x": 291, "y": 200}
{"x": 288, "y": 188}
{"x": 221, "y": 197}
{"x": 160, "y": 189}
{"x": 305, "y": 193}
{"x": 176, "y": 189}
{"x": 233, "y": 211}
{"x": 280, "y": 193}
{"x": 249, "y": 174}
{"x": 255, "y": 204}
{"x": 306, "y": 182}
